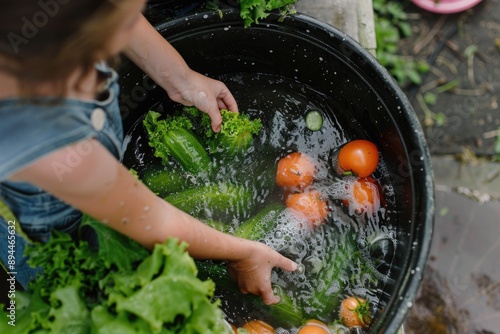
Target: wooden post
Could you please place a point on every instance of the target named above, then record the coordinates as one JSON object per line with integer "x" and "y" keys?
{"x": 354, "y": 17}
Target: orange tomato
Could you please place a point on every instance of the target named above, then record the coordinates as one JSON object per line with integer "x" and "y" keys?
{"x": 364, "y": 195}
{"x": 296, "y": 170}
{"x": 359, "y": 157}
{"x": 365, "y": 192}
{"x": 258, "y": 327}
{"x": 314, "y": 327}
{"x": 355, "y": 312}
{"x": 309, "y": 205}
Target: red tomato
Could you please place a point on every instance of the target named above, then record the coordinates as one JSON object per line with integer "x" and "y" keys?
{"x": 359, "y": 157}
{"x": 296, "y": 170}
{"x": 309, "y": 205}
{"x": 355, "y": 312}
{"x": 258, "y": 327}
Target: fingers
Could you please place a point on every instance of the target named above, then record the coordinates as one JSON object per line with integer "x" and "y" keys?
{"x": 216, "y": 118}
{"x": 269, "y": 298}
{"x": 226, "y": 101}
{"x": 286, "y": 264}
{"x": 256, "y": 279}
{"x": 212, "y": 101}
{"x": 259, "y": 288}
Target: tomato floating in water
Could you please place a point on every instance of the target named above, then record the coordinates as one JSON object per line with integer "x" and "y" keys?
{"x": 355, "y": 312}
{"x": 309, "y": 205}
{"x": 295, "y": 171}
{"x": 364, "y": 195}
{"x": 359, "y": 157}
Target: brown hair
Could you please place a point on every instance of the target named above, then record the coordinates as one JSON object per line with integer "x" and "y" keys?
{"x": 48, "y": 39}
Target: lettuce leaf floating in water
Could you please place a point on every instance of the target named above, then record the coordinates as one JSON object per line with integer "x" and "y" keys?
{"x": 120, "y": 287}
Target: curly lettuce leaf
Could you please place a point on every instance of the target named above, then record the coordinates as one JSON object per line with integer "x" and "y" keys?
{"x": 236, "y": 133}
{"x": 251, "y": 11}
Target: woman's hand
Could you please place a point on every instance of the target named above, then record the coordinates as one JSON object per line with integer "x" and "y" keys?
{"x": 253, "y": 272}
{"x": 208, "y": 95}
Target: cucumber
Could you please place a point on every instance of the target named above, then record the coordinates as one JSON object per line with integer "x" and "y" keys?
{"x": 286, "y": 313}
{"x": 314, "y": 120}
{"x": 173, "y": 137}
{"x": 336, "y": 262}
{"x": 187, "y": 149}
{"x": 257, "y": 227}
{"x": 224, "y": 202}
{"x": 163, "y": 181}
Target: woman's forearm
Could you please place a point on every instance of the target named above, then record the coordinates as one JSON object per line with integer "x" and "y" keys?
{"x": 155, "y": 56}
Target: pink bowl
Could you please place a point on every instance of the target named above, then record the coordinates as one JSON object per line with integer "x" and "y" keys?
{"x": 446, "y": 6}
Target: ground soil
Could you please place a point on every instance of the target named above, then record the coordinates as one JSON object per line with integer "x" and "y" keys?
{"x": 464, "y": 53}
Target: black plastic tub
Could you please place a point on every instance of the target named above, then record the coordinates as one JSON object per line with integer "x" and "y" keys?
{"x": 312, "y": 54}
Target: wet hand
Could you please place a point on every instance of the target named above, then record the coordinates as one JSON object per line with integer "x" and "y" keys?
{"x": 253, "y": 273}
{"x": 206, "y": 94}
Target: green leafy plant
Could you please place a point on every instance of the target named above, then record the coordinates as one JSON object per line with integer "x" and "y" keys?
{"x": 251, "y": 11}
{"x": 236, "y": 133}
{"x": 391, "y": 25}
{"x": 120, "y": 287}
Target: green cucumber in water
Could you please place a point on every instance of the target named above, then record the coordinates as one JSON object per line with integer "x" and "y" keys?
{"x": 264, "y": 222}
{"x": 164, "y": 181}
{"x": 188, "y": 150}
{"x": 314, "y": 120}
{"x": 172, "y": 137}
{"x": 224, "y": 201}
{"x": 336, "y": 262}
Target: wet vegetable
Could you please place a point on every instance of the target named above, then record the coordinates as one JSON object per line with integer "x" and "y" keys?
{"x": 261, "y": 224}
{"x": 163, "y": 180}
{"x": 354, "y": 312}
{"x": 309, "y": 205}
{"x": 365, "y": 196}
{"x": 359, "y": 157}
{"x": 295, "y": 171}
{"x": 172, "y": 137}
{"x": 223, "y": 201}
{"x": 236, "y": 133}
{"x": 314, "y": 120}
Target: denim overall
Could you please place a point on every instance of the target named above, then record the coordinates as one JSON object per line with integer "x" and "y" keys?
{"x": 30, "y": 131}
